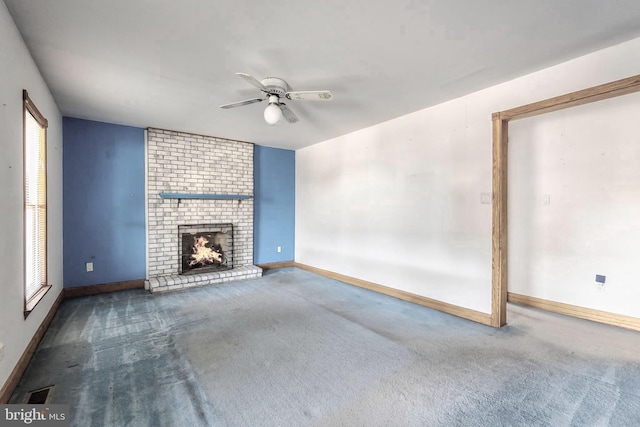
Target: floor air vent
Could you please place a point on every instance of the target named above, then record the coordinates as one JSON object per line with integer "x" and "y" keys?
{"x": 39, "y": 396}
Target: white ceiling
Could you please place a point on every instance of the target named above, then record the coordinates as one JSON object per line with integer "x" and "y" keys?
{"x": 171, "y": 64}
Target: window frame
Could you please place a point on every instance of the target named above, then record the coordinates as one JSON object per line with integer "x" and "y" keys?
{"x": 31, "y": 301}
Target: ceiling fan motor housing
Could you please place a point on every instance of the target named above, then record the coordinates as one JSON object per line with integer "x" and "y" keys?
{"x": 275, "y": 86}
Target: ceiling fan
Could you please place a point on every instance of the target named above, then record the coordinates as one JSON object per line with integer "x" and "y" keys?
{"x": 273, "y": 89}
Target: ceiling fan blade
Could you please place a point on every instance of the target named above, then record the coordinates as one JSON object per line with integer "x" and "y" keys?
{"x": 241, "y": 103}
{"x": 288, "y": 114}
{"x": 252, "y": 81}
{"x": 310, "y": 95}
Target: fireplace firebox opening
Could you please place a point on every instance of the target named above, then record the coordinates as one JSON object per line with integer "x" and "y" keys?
{"x": 205, "y": 247}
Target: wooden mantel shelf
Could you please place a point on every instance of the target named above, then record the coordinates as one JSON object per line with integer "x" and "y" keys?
{"x": 204, "y": 196}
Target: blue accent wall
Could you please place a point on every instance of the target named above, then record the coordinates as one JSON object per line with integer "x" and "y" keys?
{"x": 274, "y": 204}
{"x": 104, "y": 212}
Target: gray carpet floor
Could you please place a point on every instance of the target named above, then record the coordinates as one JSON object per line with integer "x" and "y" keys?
{"x": 296, "y": 349}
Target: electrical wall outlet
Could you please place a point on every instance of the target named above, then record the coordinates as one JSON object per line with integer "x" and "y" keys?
{"x": 279, "y": 249}
{"x": 546, "y": 199}
{"x": 485, "y": 198}
{"x": 89, "y": 266}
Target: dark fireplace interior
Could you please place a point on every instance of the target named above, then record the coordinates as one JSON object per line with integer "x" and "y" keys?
{"x": 206, "y": 247}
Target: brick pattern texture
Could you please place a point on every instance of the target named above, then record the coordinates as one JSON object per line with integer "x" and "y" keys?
{"x": 185, "y": 163}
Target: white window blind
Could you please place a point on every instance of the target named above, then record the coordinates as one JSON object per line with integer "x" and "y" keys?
{"x": 35, "y": 199}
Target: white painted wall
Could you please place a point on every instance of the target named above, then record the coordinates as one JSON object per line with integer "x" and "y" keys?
{"x": 399, "y": 203}
{"x": 19, "y": 72}
{"x": 586, "y": 162}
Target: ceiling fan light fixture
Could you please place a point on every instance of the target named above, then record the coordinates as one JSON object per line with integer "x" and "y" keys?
{"x": 272, "y": 114}
{"x": 273, "y": 89}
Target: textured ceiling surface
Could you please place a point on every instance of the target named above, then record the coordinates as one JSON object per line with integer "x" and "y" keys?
{"x": 171, "y": 64}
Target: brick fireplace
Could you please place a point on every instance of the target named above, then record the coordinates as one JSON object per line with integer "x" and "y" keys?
{"x": 194, "y": 181}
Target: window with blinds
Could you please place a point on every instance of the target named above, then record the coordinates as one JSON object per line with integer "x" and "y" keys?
{"x": 35, "y": 205}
